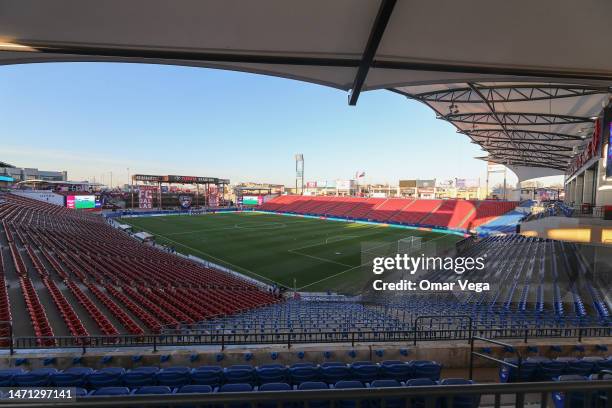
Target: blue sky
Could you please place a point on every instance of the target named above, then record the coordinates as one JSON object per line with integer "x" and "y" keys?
{"x": 94, "y": 118}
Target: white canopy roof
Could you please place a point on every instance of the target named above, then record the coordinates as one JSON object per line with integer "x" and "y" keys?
{"x": 485, "y": 48}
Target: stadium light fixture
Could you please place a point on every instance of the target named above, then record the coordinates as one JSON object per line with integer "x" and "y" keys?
{"x": 9, "y": 46}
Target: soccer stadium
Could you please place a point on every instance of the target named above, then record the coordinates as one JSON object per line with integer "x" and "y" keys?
{"x": 325, "y": 290}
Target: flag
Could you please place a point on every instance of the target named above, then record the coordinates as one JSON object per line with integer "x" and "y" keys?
{"x": 361, "y": 175}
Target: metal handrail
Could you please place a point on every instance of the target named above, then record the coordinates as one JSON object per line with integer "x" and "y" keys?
{"x": 418, "y": 318}
{"x": 491, "y": 358}
{"x": 290, "y": 339}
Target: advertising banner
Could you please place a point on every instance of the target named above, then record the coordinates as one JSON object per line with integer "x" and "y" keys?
{"x": 345, "y": 184}
{"x": 407, "y": 183}
{"x": 145, "y": 196}
{"x": 213, "y": 196}
{"x": 185, "y": 201}
{"x": 426, "y": 183}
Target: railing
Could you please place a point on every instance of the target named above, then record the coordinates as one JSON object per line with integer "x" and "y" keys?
{"x": 595, "y": 394}
{"x": 508, "y": 347}
{"x": 434, "y": 319}
{"x": 290, "y": 339}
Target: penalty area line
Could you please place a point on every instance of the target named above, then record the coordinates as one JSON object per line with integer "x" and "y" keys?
{"x": 332, "y": 276}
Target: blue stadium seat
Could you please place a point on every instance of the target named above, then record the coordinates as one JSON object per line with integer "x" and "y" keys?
{"x": 140, "y": 376}
{"x": 111, "y": 391}
{"x": 71, "y": 377}
{"x": 388, "y": 402}
{"x": 207, "y": 375}
{"x": 38, "y": 377}
{"x": 80, "y": 392}
{"x": 193, "y": 389}
{"x": 332, "y": 364}
{"x": 572, "y": 399}
{"x": 527, "y": 372}
{"x": 460, "y": 401}
{"x": 174, "y": 376}
{"x": 106, "y": 377}
{"x": 145, "y": 369}
{"x": 302, "y": 374}
{"x": 334, "y": 373}
{"x": 350, "y": 384}
{"x": 551, "y": 369}
{"x": 426, "y": 369}
{"x": 396, "y": 370}
{"x": 365, "y": 371}
{"x": 271, "y": 373}
{"x": 237, "y": 387}
{"x": 605, "y": 364}
{"x": 274, "y": 386}
{"x": 584, "y": 366}
{"x": 7, "y": 374}
{"x": 152, "y": 389}
{"x": 239, "y": 374}
{"x": 314, "y": 385}
{"x": 419, "y": 402}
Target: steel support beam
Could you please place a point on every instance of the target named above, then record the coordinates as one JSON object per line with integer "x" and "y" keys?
{"x": 376, "y": 33}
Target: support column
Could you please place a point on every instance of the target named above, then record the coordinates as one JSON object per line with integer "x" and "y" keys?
{"x": 579, "y": 189}
{"x": 587, "y": 190}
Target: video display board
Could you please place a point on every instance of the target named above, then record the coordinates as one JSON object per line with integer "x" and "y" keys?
{"x": 81, "y": 202}
{"x": 407, "y": 183}
{"x": 252, "y": 200}
{"x": 609, "y": 157}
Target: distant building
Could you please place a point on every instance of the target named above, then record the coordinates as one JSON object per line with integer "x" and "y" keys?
{"x": 23, "y": 173}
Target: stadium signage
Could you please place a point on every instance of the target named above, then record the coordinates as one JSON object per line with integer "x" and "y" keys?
{"x": 591, "y": 150}
{"x": 192, "y": 179}
{"x": 147, "y": 177}
{"x": 179, "y": 179}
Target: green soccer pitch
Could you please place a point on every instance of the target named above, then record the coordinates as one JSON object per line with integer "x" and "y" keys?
{"x": 308, "y": 254}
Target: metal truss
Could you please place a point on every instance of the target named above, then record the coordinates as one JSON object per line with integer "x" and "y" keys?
{"x": 506, "y": 93}
{"x": 522, "y": 135}
{"x": 531, "y": 152}
{"x": 521, "y": 145}
{"x": 514, "y": 118}
{"x": 529, "y": 162}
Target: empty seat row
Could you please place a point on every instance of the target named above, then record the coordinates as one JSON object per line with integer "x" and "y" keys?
{"x": 545, "y": 369}
{"x": 215, "y": 376}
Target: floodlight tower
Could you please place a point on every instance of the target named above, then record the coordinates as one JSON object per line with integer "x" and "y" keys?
{"x": 299, "y": 172}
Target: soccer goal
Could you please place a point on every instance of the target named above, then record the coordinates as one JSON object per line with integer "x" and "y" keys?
{"x": 409, "y": 245}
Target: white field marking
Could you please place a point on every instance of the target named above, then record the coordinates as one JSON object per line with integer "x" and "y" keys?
{"x": 226, "y": 228}
{"x": 326, "y": 243}
{"x": 352, "y": 268}
{"x": 342, "y": 238}
{"x": 332, "y": 276}
{"x": 319, "y": 258}
{"x": 217, "y": 259}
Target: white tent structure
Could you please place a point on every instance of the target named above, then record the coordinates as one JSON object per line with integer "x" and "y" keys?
{"x": 523, "y": 79}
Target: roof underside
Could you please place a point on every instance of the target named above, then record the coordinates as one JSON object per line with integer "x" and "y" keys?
{"x": 522, "y": 79}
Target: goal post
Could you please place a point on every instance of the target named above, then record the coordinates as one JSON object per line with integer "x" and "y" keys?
{"x": 409, "y": 245}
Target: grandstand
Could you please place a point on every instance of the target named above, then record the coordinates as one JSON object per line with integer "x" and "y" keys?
{"x": 77, "y": 276}
{"x": 127, "y": 323}
{"x": 454, "y": 215}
